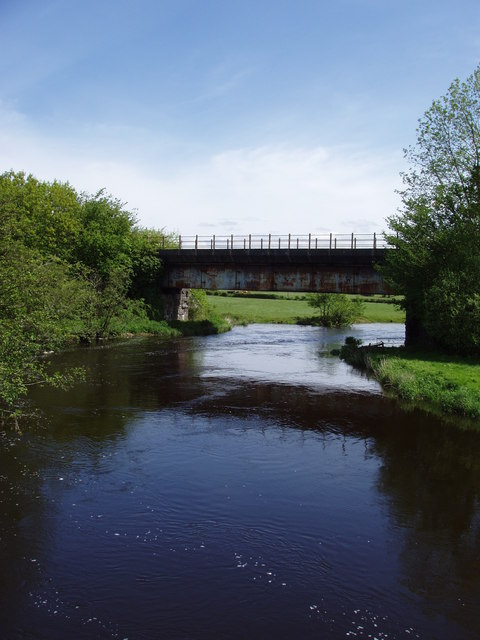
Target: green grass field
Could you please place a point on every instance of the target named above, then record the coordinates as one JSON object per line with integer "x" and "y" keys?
{"x": 450, "y": 384}
{"x": 290, "y": 308}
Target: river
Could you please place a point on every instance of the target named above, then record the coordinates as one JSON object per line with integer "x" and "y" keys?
{"x": 247, "y": 485}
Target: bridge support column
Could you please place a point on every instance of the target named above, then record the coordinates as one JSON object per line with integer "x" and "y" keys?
{"x": 175, "y": 304}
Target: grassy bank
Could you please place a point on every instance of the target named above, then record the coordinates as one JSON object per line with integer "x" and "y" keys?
{"x": 292, "y": 308}
{"x": 448, "y": 384}
{"x": 173, "y": 329}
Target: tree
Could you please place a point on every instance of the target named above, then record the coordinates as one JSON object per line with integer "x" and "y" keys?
{"x": 104, "y": 243}
{"x": 335, "y": 309}
{"x": 39, "y": 306}
{"x": 41, "y": 215}
{"x": 436, "y": 234}
{"x": 146, "y": 264}
{"x": 66, "y": 264}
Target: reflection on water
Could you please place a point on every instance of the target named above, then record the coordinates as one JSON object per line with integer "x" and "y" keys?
{"x": 244, "y": 485}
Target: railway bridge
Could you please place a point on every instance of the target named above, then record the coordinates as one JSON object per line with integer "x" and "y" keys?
{"x": 332, "y": 263}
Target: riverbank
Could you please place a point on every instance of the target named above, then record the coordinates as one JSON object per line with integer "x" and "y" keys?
{"x": 172, "y": 329}
{"x": 447, "y": 384}
{"x": 284, "y": 308}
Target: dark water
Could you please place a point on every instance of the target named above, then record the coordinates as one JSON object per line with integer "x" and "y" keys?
{"x": 239, "y": 486}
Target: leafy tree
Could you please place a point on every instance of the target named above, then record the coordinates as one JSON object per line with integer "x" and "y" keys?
{"x": 104, "y": 299}
{"x": 71, "y": 266}
{"x": 41, "y": 215}
{"x": 146, "y": 267}
{"x": 436, "y": 234}
{"x": 39, "y": 304}
{"x": 67, "y": 262}
{"x": 105, "y": 240}
{"x": 335, "y": 309}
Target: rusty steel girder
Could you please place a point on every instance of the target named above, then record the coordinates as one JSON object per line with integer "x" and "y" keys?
{"x": 336, "y": 271}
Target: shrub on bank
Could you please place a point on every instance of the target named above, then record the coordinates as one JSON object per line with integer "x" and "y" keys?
{"x": 335, "y": 309}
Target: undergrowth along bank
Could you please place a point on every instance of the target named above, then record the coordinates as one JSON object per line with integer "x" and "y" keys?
{"x": 449, "y": 384}
{"x": 204, "y": 320}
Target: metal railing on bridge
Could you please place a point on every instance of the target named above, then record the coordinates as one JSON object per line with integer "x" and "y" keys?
{"x": 270, "y": 242}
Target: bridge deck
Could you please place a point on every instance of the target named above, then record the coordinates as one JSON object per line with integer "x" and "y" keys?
{"x": 302, "y": 270}
{"x": 345, "y": 257}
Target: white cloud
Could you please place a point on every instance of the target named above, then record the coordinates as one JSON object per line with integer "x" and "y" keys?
{"x": 274, "y": 189}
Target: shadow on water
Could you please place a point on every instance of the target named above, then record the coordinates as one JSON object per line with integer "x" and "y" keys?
{"x": 430, "y": 479}
{"x": 425, "y": 478}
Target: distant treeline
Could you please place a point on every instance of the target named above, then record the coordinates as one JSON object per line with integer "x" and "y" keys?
{"x": 269, "y": 295}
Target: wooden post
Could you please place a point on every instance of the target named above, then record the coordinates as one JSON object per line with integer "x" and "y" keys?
{"x": 289, "y": 242}
{"x": 179, "y": 242}
{"x": 244, "y": 244}
{"x": 335, "y": 243}
{"x": 163, "y": 242}
{"x": 316, "y": 243}
{"x": 309, "y": 240}
{"x": 297, "y": 242}
{"x": 279, "y": 242}
{"x": 214, "y": 243}
{"x": 330, "y": 242}
{"x": 352, "y": 242}
{"x": 269, "y": 240}
{"x": 231, "y": 241}
{"x": 196, "y": 242}
{"x": 261, "y": 243}
{"x": 374, "y": 240}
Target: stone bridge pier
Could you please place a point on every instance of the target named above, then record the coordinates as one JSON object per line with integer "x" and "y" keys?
{"x": 175, "y": 303}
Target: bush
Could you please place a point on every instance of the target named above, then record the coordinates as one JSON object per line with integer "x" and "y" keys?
{"x": 335, "y": 309}
{"x": 351, "y": 341}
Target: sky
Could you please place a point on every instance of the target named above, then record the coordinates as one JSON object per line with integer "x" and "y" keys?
{"x": 229, "y": 116}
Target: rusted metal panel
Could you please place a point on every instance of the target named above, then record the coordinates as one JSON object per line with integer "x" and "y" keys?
{"x": 357, "y": 279}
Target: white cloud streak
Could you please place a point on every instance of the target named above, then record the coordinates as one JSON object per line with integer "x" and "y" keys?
{"x": 270, "y": 189}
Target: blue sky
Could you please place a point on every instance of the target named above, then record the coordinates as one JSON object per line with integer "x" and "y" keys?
{"x": 225, "y": 116}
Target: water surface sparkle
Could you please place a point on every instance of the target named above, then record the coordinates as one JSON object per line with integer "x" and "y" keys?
{"x": 245, "y": 485}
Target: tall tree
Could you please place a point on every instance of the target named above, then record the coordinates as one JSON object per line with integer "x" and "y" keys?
{"x": 436, "y": 234}
{"x": 66, "y": 263}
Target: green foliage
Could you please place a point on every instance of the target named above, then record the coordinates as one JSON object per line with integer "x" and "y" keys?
{"x": 205, "y": 327}
{"x": 436, "y": 264}
{"x": 40, "y": 215}
{"x": 448, "y": 384}
{"x": 452, "y": 314}
{"x": 351, "y": 341}
{"x": 335, "y": 309}
{"x": 39, "y": 302}
{"x": 134, "y": 318}
{"x": 103, "y": 301}
{"x": 72, "y": 266}
{"x": 146, "y": 267}
{"x": 105, "y": 240}
{"x": 198, "y": 307}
